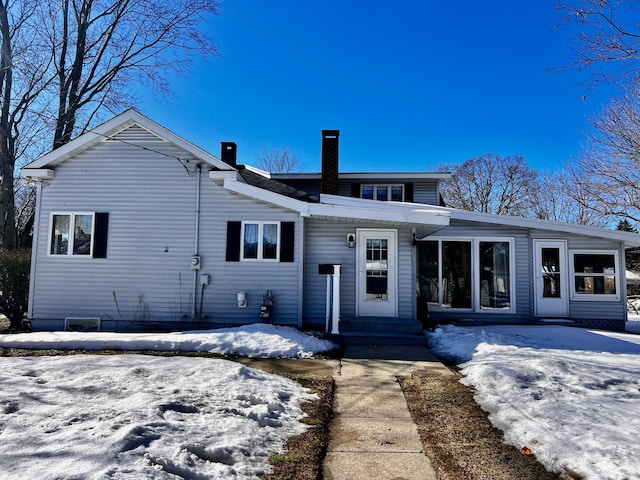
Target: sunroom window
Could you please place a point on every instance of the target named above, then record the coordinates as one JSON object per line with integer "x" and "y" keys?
{"x": 466, "y": 274}
{"x": 495, "y": 283}
{"x": 595, "y": 275}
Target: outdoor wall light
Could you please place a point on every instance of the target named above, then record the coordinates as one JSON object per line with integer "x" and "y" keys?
{"x": 351, "y": 240}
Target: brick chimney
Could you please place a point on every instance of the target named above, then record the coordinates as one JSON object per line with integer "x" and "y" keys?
{"x": 228, "y": 152}
{"x": 330, "y": 144}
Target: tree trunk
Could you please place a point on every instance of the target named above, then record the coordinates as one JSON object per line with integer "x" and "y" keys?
{"x": 7, "y": 155}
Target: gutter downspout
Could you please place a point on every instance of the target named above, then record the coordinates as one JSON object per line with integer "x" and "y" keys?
{"x": 196, "y": 246}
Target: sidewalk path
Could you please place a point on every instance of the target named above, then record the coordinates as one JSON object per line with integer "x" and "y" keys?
{"x": 372, "y": 435}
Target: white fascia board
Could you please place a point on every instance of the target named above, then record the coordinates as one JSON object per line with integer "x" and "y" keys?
{"x": 377, "y": 176}
{"x": 380, "y": 205}
{"x": 399, "y": 215}
{"x": 266, "y": 196}
{"x": 629, "y": 238}
{"x": 112, "y": 127}
{"x": 38, "y": 173}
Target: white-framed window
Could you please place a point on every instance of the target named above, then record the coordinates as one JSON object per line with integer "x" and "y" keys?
{"x": 384, "y": 193}
{"x": 71, "y": 234}
{"x": 467, "y": 274}
{"x": 260, "y": 241}
{"x": 595, "y": 275}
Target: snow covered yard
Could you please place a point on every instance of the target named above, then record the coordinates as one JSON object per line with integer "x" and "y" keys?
{"x": 140, "y": 416}
{"x": 570, "y": 395}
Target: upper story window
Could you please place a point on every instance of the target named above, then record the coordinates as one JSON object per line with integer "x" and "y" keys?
{"x": 595, "y": 275}
{"x": 81, "y": 234}
{"x": 260, "y": 240}
{"x": 385, "y": 193}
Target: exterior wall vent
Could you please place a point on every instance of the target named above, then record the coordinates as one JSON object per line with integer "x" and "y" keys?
{"x": 82, "y": 324}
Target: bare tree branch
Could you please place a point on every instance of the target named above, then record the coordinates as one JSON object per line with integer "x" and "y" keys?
{"x": 278, "y": 160}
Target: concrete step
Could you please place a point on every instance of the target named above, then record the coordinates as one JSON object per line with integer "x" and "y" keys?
{"x": 378, "y": 338}
{"x": 381, "y": 325}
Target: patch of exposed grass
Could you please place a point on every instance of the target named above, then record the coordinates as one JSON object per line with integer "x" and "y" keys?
{"x": 304, "y": 453}
{"x": 457, "y": 435}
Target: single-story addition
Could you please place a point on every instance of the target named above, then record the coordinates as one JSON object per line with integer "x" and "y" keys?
{"x": 138, "y": 229}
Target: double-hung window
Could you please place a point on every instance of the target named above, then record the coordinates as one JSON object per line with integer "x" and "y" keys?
{"x": 385, "y": 193}
{"x": 78, "y": 234}
{"x": 595, "y": 275}
{"x": 260, "y": 240}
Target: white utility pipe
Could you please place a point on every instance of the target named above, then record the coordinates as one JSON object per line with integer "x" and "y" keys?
{"x": 196, "y": 247}
{"x": 336, "y": 299}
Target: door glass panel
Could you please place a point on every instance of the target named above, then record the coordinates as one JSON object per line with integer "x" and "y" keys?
{"x": 377, "y": 266}
{"x": 551, "y": 273}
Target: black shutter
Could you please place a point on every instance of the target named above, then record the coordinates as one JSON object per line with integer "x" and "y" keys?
{"x": 355, "y": 190}
{"x": 408, "y": 192}
{"x": 100, "y": 235}
{"x": 287, "y": 241}
{"x": 233, "y": 241}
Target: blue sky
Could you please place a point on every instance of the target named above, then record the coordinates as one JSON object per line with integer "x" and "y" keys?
{"x": 410, "y": 84}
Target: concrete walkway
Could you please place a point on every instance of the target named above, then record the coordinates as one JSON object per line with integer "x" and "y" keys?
{"x": 372, "y": 433}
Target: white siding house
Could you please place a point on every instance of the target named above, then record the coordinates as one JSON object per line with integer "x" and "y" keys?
{"x": 138, "y": 229}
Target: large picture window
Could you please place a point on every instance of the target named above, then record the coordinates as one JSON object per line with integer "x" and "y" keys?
{"x": 78, "y": 234}
{"x": 473, "y": 275}
{"x": 595, "y": 275}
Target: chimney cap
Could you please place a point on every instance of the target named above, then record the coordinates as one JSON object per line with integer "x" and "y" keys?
{"x": 330, "y": 133}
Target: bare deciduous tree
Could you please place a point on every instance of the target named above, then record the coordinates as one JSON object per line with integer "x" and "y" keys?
{"x": 24, "y": 78}
{"x": 64, "y": 62}
{"x": 559, "y": 199}
{"x": 102, "y": 47}
{"x": 491, "y": 183}
{"x": 278, "y": 160}
{"x": 608, "y": 170}
{"x": 608, "y": 37}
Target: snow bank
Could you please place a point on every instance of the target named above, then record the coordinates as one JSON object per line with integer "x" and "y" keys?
{"x": 257, "y": 340}
{"x": 570, "y": 395}
{"x": 137, "y": 416}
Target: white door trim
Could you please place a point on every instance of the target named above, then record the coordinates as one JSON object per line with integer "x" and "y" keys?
{"x": 557, "y": 303}
{"x": 387, "y": 304}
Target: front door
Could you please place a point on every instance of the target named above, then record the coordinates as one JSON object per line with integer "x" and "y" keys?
{"x": 551, "y": 277}
{"x": 377, "y": 273}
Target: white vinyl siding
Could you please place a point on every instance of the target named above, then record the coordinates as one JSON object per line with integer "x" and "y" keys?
{"x": 151, "y": 200}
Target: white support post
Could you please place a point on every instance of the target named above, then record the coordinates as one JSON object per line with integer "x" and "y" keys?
{"x": 328, "y": 308}
{"x": 336, "y": 299}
